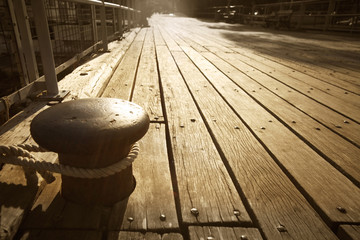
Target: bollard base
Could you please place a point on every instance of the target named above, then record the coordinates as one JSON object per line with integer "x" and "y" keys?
{"x": 104, "y": 191}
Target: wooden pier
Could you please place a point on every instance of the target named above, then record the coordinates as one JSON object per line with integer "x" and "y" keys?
{"x": 254, "y": 135}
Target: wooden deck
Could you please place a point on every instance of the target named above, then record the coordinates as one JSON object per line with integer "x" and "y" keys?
{"x": 257, "y": 130}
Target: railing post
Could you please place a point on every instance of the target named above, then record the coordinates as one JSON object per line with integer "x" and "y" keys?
{"x": 129, "y": 14}
{"x": 46, "y": 52}
{"x": 103, "y": 27}
{"x": 331, "y": 9}
{"x": 301, "y": 16}
{"x": 26, "y": 40}
{"x": 94, "y": 24}
{"x": 120, "y": 21}
{"x": 114, "y": 20}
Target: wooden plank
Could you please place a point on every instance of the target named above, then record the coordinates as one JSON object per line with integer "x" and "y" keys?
{"x": 339, "y": 105}
{"x": 17, "y": 131}
{"x": 50, "y": 210}
{"x": 271, "y": 195}
{"x": 334, "y": 55}
{"x": 14, "y": 187}
{"x": 223, "y": 233}
{"x": 305, "y": 83}
{"x": 349, "y": 232}
{"x": 153, "y": 195}
{"x": 122, "y": 81}
{"x": 159, "y": 41}
{"x": 321, "y": 183}
{"x": 61, "y": 234}
{"x": 277, "y": 45}
{"x": 231, "y": 45}
{"x": 202, "y": 179}
{"x": 141, "y": 236}
{"x": 342, "y": 153}
{"x": 338, "y": 123}
{"x": 172, "y": 45}
{"x": 297, "y": 66}
{"x": 147, "y": 89}
{"x": 177, "y": 40}
{"x": 271, "y": 48}
{"x": 337, "y": 150}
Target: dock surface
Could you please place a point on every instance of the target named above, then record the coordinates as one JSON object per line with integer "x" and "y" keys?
{"x": 254, "y": 134}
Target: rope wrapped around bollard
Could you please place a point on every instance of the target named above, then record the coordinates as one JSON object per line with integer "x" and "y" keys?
{"x": 20, "y": 155}
{"x": 95, "y": 139}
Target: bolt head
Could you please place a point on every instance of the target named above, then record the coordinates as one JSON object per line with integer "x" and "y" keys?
{"x": 162, "y": 217}
{"x": 194, "y": 211}
{"x": 281, "y": 228}
{"x": 341, "y": 209}
{"x": 236, "y": 212}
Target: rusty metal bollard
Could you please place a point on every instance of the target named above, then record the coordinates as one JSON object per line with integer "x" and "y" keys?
{"x": 92, "y": 133}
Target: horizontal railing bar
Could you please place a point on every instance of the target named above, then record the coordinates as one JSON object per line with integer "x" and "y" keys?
{"x": 100, "y": 3}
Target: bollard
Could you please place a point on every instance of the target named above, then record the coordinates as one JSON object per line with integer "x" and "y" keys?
{"x": 92, "y": 133}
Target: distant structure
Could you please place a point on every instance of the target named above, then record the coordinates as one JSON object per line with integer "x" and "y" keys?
{"x": 326, "y": 15}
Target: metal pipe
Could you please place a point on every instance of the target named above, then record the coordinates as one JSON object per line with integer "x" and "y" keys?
{"x": 46, "y": 52}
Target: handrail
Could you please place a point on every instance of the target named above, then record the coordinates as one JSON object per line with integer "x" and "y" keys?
{"x": 107, "y": 4}
{"x": 21, "y": 94}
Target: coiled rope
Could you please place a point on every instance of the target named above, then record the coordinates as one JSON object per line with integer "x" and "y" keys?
{"x": 20, "y": 155}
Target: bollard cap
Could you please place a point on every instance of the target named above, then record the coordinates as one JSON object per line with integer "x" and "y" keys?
{"x": 90, "y": 126}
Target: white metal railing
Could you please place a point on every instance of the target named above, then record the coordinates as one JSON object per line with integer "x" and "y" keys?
{"x": 121, "y": 17}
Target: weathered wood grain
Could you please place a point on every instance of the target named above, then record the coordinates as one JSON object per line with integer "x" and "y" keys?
{"x": 159, "y": 41}
{"x": 268, "y": 44}
{"x": 300, "y": 68}
{"x": 333, "y": 102}
{"x": 61, "y": 235}
{"x": 223, "y": 233}
{"x": 147, "y": 90}
{"x": 140, "y": 236}
{"x": 153, "y": 195}
{"x": 322, "y": 183}
{"x": 338, "y": 55}
{"x": 17, "y": 190}
{"x": 343, "y": 153}
{"x": 333, "y": 120}
{"x": 51, "y": 211}
{"x": 303, "y": 83}
{"x": 170, "y": 42}
{"x": 347, "y": 105}
{"x": 122, "y": 81}
{"x": 273, "y": 198}
{"x": 202, "y": 179}
{"x": 337, "y": 149}
{"x": 349, "y": 232}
